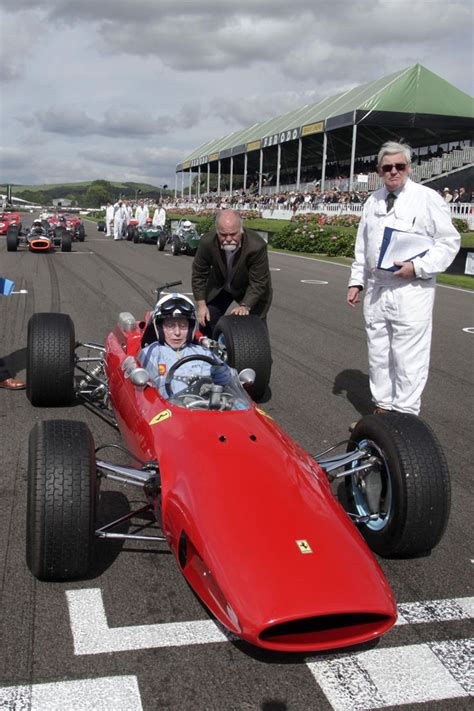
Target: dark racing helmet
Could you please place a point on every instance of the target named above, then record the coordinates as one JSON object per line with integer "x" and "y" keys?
{"x": 174, "y": 305}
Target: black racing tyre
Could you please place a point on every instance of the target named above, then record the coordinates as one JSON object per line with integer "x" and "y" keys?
{"x": 80, "y": 233}
{"x": 12, "y": 238}
{"x": 161, "y": 242}
{"x": 248, "y": 346}
{"x": 59, "y": 234}
{"x": 412, "y": 485}
{"x": 130, "y": 232}
{"x": 61, "y": 505}
{"x": 175, "y": 246}
{"x": 135, "y": 236}
{"x": 66, "y": 242}
{"x": 50, "y": 360}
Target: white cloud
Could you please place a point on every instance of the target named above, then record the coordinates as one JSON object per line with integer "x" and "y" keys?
{"x": 135, "y": 86}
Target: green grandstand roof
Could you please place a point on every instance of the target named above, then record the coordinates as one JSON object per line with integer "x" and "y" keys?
{"x": 409, "y": 93}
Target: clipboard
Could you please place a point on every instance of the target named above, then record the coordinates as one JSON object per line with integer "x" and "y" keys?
{"x": 400, "y": 246}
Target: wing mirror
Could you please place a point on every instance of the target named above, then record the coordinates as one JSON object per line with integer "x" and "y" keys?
{"x": 247, "y": 377}
{"x": 137, "y": 375}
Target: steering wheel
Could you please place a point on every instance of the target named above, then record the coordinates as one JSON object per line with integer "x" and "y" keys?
{"x": 187, "y": 359}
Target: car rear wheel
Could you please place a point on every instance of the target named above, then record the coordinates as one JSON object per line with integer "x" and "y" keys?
{"x": 406, "y": 493}
{"x": 247, "y": 346}
{"x": 161, "y": 242}
{"x": 61, "y": 505}
{"x": 130, "y": 232}
{"x": 12, "y": 238}
{"x": 80, "y": 233}
{"x": 50, "y": 360}
{"x": 66, "y": 242}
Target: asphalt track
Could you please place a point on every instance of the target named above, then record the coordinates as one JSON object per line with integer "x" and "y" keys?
{"x": 133, "y": 635}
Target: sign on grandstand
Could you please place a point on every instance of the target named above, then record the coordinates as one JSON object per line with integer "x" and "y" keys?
{"x": 312, "y": 128}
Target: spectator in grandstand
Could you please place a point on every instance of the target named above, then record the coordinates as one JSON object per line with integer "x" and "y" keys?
{"x": 447, "y": 195}
{"x": 398, "y": 304}
{"x": 231, "y": 264}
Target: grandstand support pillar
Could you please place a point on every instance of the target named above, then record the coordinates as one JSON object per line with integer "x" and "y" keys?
{"x": 260, "y": 172}
{"x": 298, "y": 169}
{"x": 231, "y": 175}
{"x": 182, "y": 183}
{"x": 245, "y": 171}
{"x": 219, "y": 178}
{"x": 175, "y": 185}
{"x": 323, "y": 165}
{"x": 190, "y": 183}
{"x": 353, "y": 151}
{"x": 199, "y": 182}
{"x": 278, "y": 168}
{"x": 208, "y": 177}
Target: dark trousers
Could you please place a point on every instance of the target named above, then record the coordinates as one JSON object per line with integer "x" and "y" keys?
{"x": 217, "y": 308}
{"x": 4, "y": 373}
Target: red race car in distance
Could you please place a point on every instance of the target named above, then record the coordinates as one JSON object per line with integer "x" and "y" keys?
{"x": 71, "y": 223}
{"x": 7, "y": 219}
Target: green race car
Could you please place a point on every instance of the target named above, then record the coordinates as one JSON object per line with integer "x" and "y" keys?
{"x": 185, "y": 239}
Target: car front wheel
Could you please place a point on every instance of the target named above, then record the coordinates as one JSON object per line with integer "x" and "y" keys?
{"x": 247, "y": 345}
{"x": 12, "y": 238}
{"x": 50, "y": 360}
{"x": 404, "y": 495}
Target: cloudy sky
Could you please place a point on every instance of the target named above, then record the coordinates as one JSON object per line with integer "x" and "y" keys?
{"x": 125, "y": 89}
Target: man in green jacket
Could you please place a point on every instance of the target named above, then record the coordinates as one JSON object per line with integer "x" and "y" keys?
{"x": 231, "y": 264}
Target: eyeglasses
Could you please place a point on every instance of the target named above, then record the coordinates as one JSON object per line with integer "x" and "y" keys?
{"x": 387, "y": 167}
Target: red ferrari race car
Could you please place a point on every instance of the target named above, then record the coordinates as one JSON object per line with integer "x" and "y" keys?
{"x": 72, "y": 224}
{"x": 41, "y": 237}
{"x": 250, "y": 517}
{"x": 7, "y": 219}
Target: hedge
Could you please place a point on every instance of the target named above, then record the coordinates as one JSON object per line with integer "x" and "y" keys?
{"x": 314, "y": 238}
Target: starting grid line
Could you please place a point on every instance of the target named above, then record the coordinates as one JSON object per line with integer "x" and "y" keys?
{"x": 120, "y": 693}
{"x": 92, "y": 634}
{"x": 357, "y": 681}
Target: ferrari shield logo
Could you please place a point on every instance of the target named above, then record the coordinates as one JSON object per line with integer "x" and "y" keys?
{"x": 304, "y": 546}
{"x": 162, "y": 369}
{"x": 160, "y": 417}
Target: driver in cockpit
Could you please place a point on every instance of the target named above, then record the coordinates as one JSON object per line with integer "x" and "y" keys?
{"x": 175, "y": 323}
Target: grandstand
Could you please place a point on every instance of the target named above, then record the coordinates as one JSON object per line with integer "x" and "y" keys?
{"x": 340, "y": 136}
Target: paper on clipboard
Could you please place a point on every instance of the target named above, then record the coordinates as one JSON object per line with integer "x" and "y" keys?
{"x": 398, "y": 246}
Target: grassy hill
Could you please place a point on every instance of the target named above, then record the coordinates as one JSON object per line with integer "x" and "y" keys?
{"x": 84, "y": 194}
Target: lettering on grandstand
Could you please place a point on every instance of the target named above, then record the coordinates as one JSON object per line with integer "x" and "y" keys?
{"x": 198, "y": 161}
{"x": 283, "y": 137}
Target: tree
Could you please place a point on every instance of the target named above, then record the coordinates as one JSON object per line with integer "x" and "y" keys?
{"x": 98, "y": 193}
